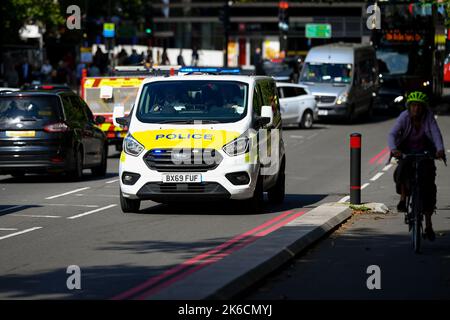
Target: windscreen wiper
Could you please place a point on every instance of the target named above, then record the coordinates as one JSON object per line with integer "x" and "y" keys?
{"x": 191, "y": 121}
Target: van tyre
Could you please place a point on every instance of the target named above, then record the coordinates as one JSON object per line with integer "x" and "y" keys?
{"x": 100, "y": 171}
{"x": 255, "y": 203}
{"x": 129, "y": 205}
{"x": 76, "y": 174}
{"x": 276, "y": 194}
{"x": 307, "y": 120}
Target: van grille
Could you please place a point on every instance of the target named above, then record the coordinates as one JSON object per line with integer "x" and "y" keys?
{"x": 184, "y": 160}
{"x": 326, "y": 99}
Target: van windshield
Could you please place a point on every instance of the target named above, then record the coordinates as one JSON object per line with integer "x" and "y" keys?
{"x": 193, "y": 100}
{"x": 327, "y": 73}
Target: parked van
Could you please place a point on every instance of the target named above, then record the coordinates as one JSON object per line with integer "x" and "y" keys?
{"x": 344, "y": 79}
{"x": 192, "y": 138}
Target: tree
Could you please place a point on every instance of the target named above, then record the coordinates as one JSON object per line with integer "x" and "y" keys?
{"x": 15, "y": 13}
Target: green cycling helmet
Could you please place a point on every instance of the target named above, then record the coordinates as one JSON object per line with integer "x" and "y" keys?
{"x": 417, "y": 96}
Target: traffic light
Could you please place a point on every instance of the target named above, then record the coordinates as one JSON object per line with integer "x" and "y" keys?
{"x": 283, "y": 16}
{"x": 149, "y": 26}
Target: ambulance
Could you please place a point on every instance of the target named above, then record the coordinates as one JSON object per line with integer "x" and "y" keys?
{"x": 103, "y": 94}
{"x": 199, "y": 136}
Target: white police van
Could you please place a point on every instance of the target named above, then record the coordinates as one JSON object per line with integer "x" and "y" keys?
{"x": 199, "y": 136}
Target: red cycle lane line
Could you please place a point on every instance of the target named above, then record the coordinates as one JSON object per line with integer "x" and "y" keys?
{"x": 384, "y": 158}
{"x": 379, "y": 155}
{"x": 218, "y": 257}
{"x": 188, "y": 263}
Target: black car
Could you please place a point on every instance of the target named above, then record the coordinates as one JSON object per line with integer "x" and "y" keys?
{"x": 50, "y": 131}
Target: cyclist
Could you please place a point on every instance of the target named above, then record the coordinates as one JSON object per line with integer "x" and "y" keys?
{"x": 417, "y": 131}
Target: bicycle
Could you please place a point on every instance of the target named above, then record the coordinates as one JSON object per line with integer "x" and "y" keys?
{"x": 414, "y": 201}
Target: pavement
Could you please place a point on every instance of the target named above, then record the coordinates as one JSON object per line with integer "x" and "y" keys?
{"x": 337, "y": 267}
{"x": 48, "y": 224}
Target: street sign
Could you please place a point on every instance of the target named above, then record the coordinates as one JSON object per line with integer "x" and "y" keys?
{"x": 109, "y": 30}
{"x": 318, "y": 30}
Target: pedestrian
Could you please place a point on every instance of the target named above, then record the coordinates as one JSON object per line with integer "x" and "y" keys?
{"x": 46, "y": 71}
{"x": 158, "y": 57}
{"x": 24, "y": 72}
{"x": 180, "y": 59}
{"x": 62, "y": 73}
{"x": 134, "y": 58}
{"x": 93, "y": 70}
{"x": 258, "y": 62}
{"x": 416, "y": 131}
{"x": 122, "y": 57}
{"x": 195, "y": 56}
{"x": 165, "y": 57}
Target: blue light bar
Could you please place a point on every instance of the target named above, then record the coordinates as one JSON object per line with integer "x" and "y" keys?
{"x": 209, "y": 70}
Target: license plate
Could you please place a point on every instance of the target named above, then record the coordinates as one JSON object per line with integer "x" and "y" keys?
{"x": 20, "y": 134}
{"x": 181, "y": 178}
{"x": 323, "y": 112}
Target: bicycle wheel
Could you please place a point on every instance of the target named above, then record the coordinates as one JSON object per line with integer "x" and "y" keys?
{"x": 416, "y": 222}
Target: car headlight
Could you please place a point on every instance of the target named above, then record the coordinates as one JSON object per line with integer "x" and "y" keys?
{"x": 237, "y": 147}
{"x": 342, "y": 98}
{"x": 131, "y": 146}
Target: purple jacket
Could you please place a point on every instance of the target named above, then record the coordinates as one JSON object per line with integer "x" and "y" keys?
{"x": 403, "y": 126}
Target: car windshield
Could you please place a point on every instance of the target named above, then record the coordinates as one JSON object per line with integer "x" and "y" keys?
{"x": 327, "y": 73}
{"x": 40, "y": 109}
{"x": 189, "y": 101}
{"x": 392, "y": 62}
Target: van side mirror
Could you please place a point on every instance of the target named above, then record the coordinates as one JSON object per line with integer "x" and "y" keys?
{"x": 266, "y": 118}
{"x": 122, "y": 121}
{"x": 118, "y": 112}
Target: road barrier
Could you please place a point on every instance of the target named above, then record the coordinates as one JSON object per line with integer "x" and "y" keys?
{"x": 355, "y": 168}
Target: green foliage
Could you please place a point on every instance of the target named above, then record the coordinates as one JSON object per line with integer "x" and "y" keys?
{"x": 17, "y": 12}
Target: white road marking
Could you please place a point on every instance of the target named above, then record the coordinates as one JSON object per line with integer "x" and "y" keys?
{"x": 377, "y": 176}
{"x": 92, "y": 211}
{"x": 296, "y": 137}
{"x": 105, "y": 195}
{"x": 66, "y": 193}
{"x": 34, "y": 216}
{"x": 10, "y": 208}
{"x": 112, "y": 181}
{"x": 344, "y": 199}
{"x": 69, "y": 205}
{"x": 8, "y": 229}
{"x": 386, "y": 168}
{"x": 312, "y": 136}
{"x": 365, "y": 185}
{"x": 20, "y": 232}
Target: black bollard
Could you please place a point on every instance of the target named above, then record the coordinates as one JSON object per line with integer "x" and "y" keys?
{"x": 355, "y": 168}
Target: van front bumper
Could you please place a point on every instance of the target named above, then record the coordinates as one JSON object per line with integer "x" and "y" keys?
{"x": 214, "y": 186}
{"x": 333, "y": 111}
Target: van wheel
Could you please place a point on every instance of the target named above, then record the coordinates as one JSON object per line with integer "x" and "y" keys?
{"x": 307, "y": 120}
{"x": 100, "y": 171}
{"x": 129, "y": 205}
{"x": 369, "y": 113}
{"x": 255, "y": 203}
{"x": 76, "y": 174}
{"x": 277, "y": 192}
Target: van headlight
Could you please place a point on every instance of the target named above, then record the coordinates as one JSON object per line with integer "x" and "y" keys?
{"x": 342, "y": 98}
{"x": 131, "y": 146}
{"x": 237, "y": 147}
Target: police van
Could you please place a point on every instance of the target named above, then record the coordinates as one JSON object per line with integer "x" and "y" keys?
{"x": 199, "y": 136}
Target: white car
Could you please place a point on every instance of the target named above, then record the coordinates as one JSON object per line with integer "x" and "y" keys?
{"x": 298, "y": 106}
